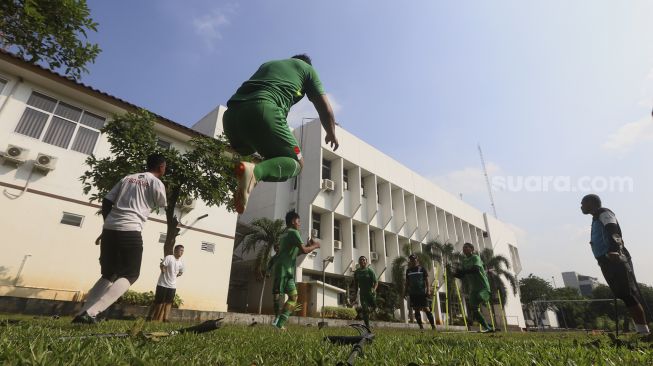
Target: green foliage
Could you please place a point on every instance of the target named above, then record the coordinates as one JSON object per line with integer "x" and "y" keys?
{"x": 387, "y": 301}
{"x": 144, "y": 299}
{"x": 498, "y": 269}
{"x": 203, "y": 172}
{"x": 261, "y": 235}
{"x": 337, "y": 312}
{"x": 36, "y": 342}
{"x": 533, "y": 288}
{"x": 50, "y": 31}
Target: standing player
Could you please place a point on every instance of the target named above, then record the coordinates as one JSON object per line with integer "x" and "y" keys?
{"x": 124, "y": 209}
{"x": 613, "y": 258}
{"x": 171, "y": 267}
{"x": 417, "y": 283}
{"x": 473, "y": 272}
{"x": 256, "y": 122}
{"x": 365, "y": 281}
{"x": 290, "y": 245}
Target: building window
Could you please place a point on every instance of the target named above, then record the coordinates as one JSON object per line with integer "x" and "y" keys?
{"x": 3, "y": 82}
{"x": 378, "y": 195}
{"x": 345, "y": 179}
{"x": 316, "y": 224}
{"x": 363, "y": 193}
{"x": 353, "y": 235}
{"x": 162, "y": 238}
{"x": 60, "y": 124}
{"x": 72, "y": 219}
{"x": 326, "y": 169}
{"x": 163, "y": 144}
{"x": 372, "y": 242}
{"x": 336, "y": 230}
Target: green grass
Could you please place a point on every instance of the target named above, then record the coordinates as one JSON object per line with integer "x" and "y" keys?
{"x": 36, "y": 341}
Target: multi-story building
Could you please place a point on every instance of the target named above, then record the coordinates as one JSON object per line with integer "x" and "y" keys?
{"x": 584, "y": 284}
{"x": 362, "y": 202}
{"x": 49, "y": 125}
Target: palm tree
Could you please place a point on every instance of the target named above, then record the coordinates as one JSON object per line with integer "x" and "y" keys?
{"x": 498, "y": 266}
{"x": 447, "y": 256}
{"x": 261, "y": 235}
{"x": 399, "y": 266}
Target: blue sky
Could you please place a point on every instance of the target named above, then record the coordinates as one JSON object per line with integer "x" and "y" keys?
{"x": 548, "y": 88}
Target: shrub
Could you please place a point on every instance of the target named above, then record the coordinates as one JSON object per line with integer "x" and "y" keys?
{"x": 337, "y": 312}
{"x": 144, "y": 299}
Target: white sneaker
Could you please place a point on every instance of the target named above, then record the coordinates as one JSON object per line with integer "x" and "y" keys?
{"x": 246, "y": 183}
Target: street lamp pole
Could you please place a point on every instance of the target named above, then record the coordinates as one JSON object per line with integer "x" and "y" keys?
{"x": 325, "y": 264}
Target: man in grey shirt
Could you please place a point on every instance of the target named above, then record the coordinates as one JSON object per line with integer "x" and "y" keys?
{"x": 124, "y": 209}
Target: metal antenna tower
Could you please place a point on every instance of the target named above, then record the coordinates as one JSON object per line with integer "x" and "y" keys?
{"x": 487, "y": 182}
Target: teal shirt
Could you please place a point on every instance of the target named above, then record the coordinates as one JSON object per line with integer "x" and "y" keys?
{"x": 280, "y": 82}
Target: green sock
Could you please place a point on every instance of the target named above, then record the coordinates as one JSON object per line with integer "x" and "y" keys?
{"x": 481, "y": 319}
{"x": 283, "y": 318}
{"x": 276, "y": 169}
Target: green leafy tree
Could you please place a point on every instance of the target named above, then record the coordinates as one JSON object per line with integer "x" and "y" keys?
{"x": 261, "y": 235}
{"x": 449, "y": 259}
{"x": 203, "y": 172}
{"x": 53, "y": 32}
{"x": 498, "y": 270}
{"x": 571, "y": 314}
{"x": 534, "y": 288}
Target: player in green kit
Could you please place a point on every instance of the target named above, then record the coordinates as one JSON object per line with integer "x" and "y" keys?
{"x": 473, "y": 272}
{"x": 256, "y": 122}
{"x": 290, "y": 245}
{"x": 365, "y": 281}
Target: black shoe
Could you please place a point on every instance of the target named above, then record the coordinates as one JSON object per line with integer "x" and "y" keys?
{"x": 84, "y": 318}
{"x": 421, "y": 326}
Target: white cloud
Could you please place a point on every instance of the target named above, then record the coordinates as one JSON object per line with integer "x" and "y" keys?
{"x": 630, "y": 135}
{"x": 209, "y": 26}
{"x": 467, "y": 181}
{"x": 305, "y": 109}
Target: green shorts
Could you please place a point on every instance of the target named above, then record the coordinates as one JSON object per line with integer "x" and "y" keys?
{"x": 261, "y": 127}
{"x": 284, "y": 283}
{"x": 479, "y": 297}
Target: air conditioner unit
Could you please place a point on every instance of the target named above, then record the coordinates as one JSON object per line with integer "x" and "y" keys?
{"x": 45, "y": 163}
{"x": 187, "y": 204}
{"x": 337, "y": 245}
{"x": 328, "y": 185}
{"x": 374, "y": 256}
{"x": 14, "y": 154}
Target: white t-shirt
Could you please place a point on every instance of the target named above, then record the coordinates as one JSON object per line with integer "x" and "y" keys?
{"x": 134, "y": 198}
{"x": 173, "y": 266}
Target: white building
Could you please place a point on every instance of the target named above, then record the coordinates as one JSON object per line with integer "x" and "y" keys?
{"x": 49, "y": 125}
{"x": 584, "y": 284}
{"x": 363, "y": 202}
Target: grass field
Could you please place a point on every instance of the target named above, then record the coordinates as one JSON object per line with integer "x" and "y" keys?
{"x": 35, "y": 341}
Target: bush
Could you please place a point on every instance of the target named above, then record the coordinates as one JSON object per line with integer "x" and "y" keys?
{"x": 337, "y": 312}
{"x": 144, "y": 299}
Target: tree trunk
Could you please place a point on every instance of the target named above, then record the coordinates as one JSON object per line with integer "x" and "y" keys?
{"x": 171, "y": 220}
{"x": 260, "y": 300}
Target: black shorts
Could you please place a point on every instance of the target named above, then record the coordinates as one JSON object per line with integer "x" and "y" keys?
{"x": 121, "y": 253}
{"x": 164, "y": 295}
{"x": 418, "y": 301}
{"x": 621, "y": 279}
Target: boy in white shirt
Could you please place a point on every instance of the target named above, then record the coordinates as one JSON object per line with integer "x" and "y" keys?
{"x": 171, "y": 268}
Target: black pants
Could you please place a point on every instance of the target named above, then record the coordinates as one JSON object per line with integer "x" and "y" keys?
{"x": 620, "y": 278}
{"x": 121, "y": 253}
{"x": 164, "y": 295}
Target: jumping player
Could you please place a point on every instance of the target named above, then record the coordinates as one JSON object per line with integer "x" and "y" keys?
{"x": 418, "y": 290}
{"x": 473, "y": 272}
{"x": 256, "y": 122}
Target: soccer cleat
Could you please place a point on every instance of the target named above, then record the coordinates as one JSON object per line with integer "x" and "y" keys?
{"x": 246, "y": 183}
{"x": 84, "y": 318}
{"x": 487, "y": 330}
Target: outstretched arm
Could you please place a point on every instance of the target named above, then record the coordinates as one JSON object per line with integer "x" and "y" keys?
{"x": 327, "y": 118}
{"x": 312, "y": 245}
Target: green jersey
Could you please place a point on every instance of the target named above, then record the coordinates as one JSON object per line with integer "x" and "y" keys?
{"x": 366, "y": 279}
{"x": 280, "y": 82}
{"x": 477, "y": 281}
{"x": 286, "y": 260}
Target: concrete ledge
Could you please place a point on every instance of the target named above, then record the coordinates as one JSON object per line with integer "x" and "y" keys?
{"x": 42, "y": 307}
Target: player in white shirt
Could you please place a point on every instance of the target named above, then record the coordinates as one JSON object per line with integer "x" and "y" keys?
{"x": 124, "y": 209}
{"x": 171, "y": 268}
